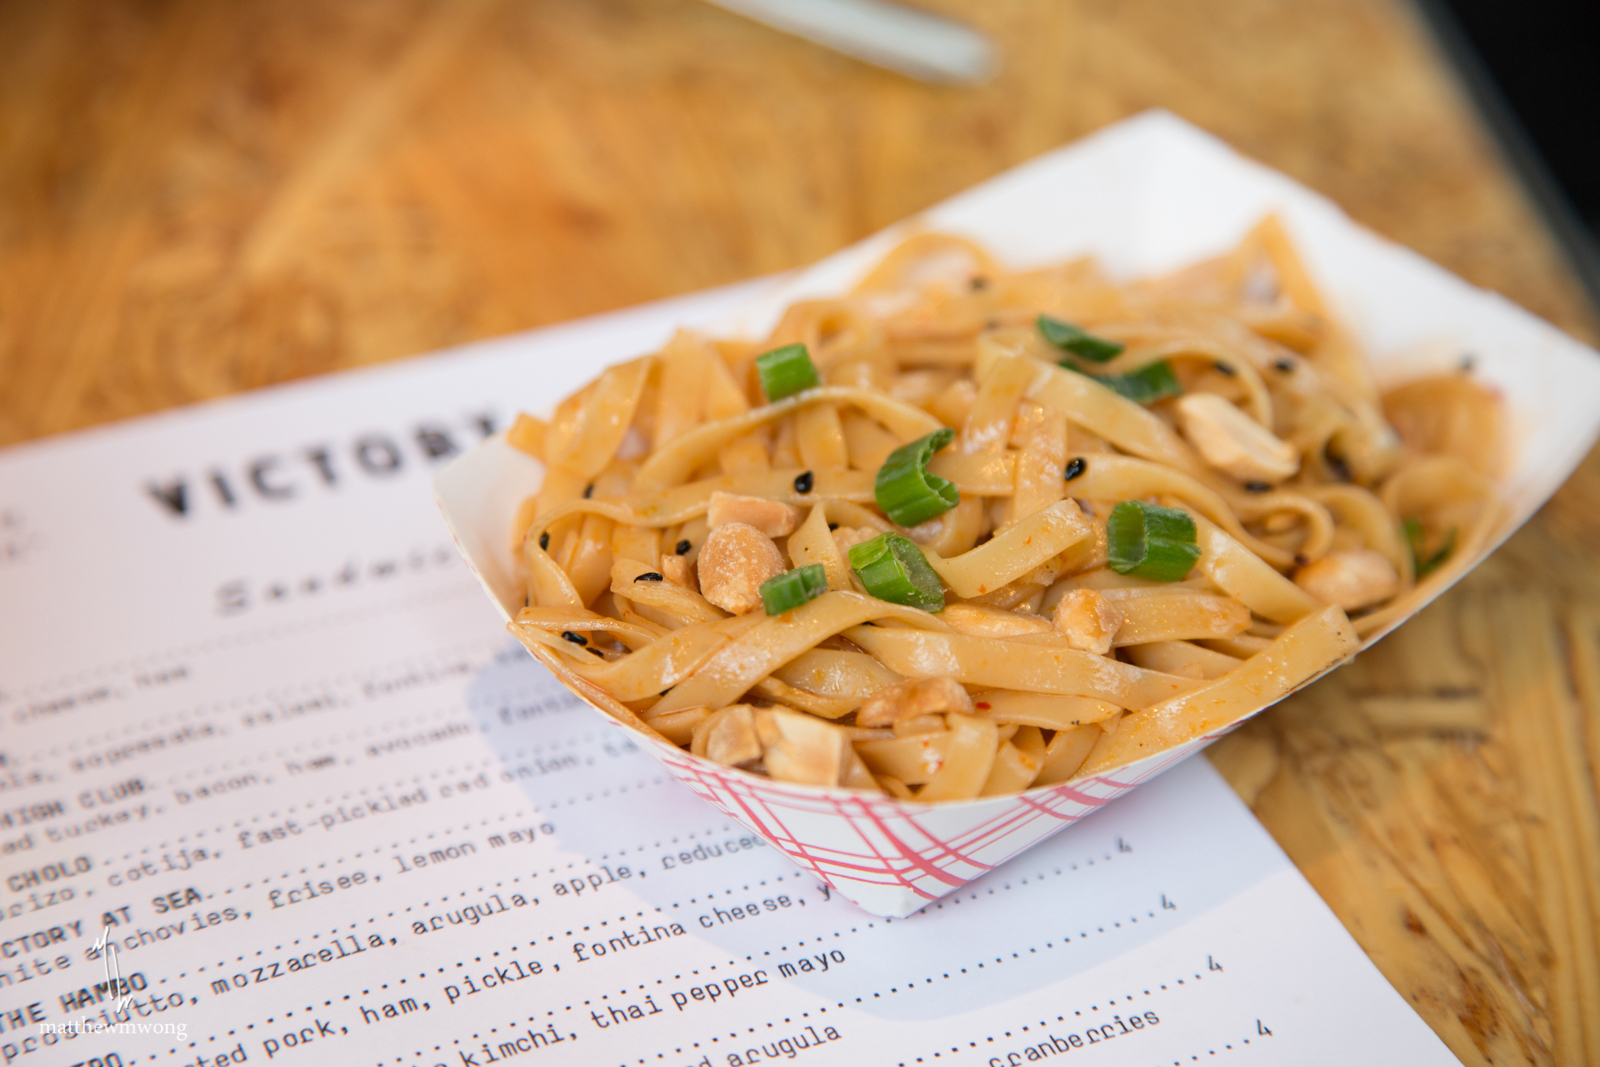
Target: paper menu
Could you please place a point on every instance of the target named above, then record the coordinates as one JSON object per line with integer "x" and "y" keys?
{"x": 261, "y": 732}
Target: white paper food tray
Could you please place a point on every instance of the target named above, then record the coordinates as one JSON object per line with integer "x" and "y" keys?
{"x": 1145, "y": 196}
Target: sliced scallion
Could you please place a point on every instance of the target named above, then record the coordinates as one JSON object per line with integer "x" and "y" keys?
{"x": 786, "y": 371}
{"x": 1075, "y": 339}
{"x": 1151, "y": 542}
{"x": 1151, "y": 382}
{"x": 905, "y": 490}
{"x": 1416, "y": 539}
{"x": 790, "y": 589}
{"x": 893, "y": 568}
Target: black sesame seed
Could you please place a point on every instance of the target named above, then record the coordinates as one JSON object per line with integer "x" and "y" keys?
{"x": 1336, "y": 463}
{"x": 1226, "y": 368}
{"x": 1257, "y": 487}
{"x": 979, "y": 283}
{"x": 1283, "y": 366}
{"x": 992, "y": 324}
{"x": 588, "y": 491}
{"x": 577, "y": 639}
{"x": 682, "y": 547}
{"x": 1299, "y": 560}
{"x": 649, "y": 576}
{"x": 597, "y": 652}
{"x": 1076, "y": 467}
{"x": 1468, "y": 362}
{"x": 544, "y": 541}
{"x": 804, "y": 481}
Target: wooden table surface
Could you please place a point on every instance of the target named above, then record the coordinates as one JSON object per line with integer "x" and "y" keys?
{"x": 199, "y": 197}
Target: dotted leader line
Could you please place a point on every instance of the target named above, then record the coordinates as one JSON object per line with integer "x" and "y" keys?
{"x": 626, "y": 918}
{"x": 1078, "y": 1015}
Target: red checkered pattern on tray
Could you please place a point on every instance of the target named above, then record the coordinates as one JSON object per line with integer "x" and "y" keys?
{"x": 853, "y": 841}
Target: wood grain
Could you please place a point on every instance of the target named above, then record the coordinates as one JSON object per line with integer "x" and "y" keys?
{"x": 198, "y": 198}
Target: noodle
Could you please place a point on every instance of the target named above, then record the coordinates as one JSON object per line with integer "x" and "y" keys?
{"x": 997, "y": 530}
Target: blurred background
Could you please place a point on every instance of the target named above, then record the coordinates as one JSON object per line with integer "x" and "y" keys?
{"x": 197, "y": 197}
{"x": 1529, "y": 69}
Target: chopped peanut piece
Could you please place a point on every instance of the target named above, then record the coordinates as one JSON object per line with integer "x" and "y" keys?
{"x": 728, "y": 736}
{"x": 1088, "y": 621}
{"x": 919, "y": 696}
{"x": 772, "y": 517}
{"x": 805, "y": 749}
{"x": 1352, "y": 580}
{"x": 675, "y": 569}
{"x": 734, "y": 561}
{"x": 767, "y": 728}
{"x": 1233, "y": 442}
